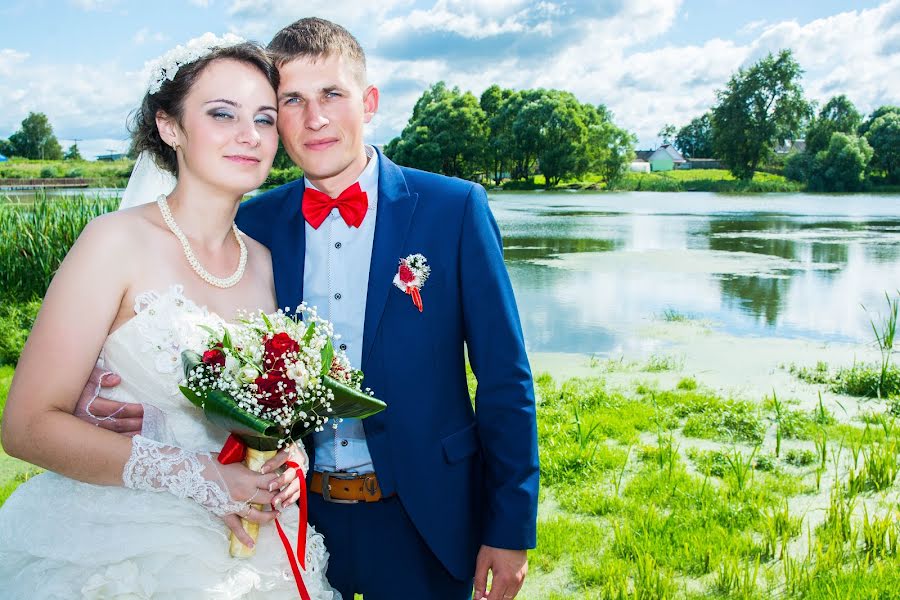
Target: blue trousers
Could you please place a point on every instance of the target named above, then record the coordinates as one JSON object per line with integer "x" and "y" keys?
{"x": 375, "y": 550}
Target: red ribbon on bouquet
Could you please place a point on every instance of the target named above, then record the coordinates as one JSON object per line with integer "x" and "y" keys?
{"x": 233, "y": 451}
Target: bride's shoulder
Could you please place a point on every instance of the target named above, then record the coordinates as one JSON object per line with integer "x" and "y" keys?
{"x": 120, "y": 230}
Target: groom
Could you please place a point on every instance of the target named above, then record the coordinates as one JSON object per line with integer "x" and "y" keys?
{"x": 421, "y": 499}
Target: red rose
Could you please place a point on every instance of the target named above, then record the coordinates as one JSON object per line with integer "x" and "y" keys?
{"x": 274, "y": 390}
{"x": 406, "y": 274}
{"x": 279, "y": 345}
{"x": 214, "y": 357}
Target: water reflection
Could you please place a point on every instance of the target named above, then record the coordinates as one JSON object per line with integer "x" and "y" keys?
{"x": 590, "y": 270}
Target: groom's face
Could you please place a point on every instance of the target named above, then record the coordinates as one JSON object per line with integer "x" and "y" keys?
{"x": 323, "y": 106}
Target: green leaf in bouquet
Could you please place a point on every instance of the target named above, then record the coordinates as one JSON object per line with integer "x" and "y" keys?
{"x": 310, "y": 332}
{"x": 195, "y": 398}
{"x": 190, "y": 360}
{"x": 209, "y": 330}
{"x": 223, "y": 411}
{"x": 327, "y": 358}
{"x": 348, "y": 403}
{"x": 266, "y": 320}
{"x": 226, "y": 340}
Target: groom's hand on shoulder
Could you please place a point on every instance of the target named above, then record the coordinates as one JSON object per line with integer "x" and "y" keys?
{"x": 126, "y": 418}
{"x": 508, "y": 569}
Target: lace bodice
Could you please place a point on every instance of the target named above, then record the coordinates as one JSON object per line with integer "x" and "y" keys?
{"x": 146, "y": 353}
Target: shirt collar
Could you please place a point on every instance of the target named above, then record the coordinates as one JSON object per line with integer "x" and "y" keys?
{"x": 368, "y": 179}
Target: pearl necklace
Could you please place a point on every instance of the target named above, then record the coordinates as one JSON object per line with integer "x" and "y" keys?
{"x": 205, "y": 275}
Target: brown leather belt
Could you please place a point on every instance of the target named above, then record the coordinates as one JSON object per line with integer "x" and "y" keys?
{"x": 346, "y": 488}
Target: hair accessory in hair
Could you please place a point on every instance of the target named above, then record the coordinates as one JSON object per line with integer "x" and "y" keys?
{"x": 166, "y": 66}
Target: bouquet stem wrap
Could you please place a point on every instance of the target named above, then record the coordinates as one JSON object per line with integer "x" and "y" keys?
{"x": 253, "y": 460}
{"x": 234, "y": 451}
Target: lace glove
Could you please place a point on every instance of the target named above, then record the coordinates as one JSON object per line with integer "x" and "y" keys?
{"x": 157, "y": 467}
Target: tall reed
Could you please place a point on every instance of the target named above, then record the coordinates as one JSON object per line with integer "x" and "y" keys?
{"x": 34, "y": 239}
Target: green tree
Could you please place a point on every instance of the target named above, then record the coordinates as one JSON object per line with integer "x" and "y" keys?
{"x": 35, "y": 139}
{"x": 760, "y": 106}
{"x": 695, "y": 140}
{"x": 609, "y": 148}
{"x": 72, "y": 153}
{"x": 884, "y": 137}
{"x": 496, "y": 155}
{"x": 667, "y": 133}
{"x": 555, "y": 123}
{"x": 447, "y": 133}
{"x": 876, "y": 114}
{"x": 842, "y": 166}
{"x": 799, "y": 166}
{"x": 6, "y": 148}
{"x": 838, "y": 115}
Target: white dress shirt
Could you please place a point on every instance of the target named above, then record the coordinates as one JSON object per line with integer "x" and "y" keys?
{"x": 335, "y": 281}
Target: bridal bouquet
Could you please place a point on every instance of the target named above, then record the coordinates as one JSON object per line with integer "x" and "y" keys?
{"x": 271, "y": 379}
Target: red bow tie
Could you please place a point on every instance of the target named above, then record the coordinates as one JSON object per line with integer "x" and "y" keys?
{"x": 352, "y": 204}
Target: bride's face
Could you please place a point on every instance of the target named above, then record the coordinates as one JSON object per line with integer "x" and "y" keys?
{"x": 227, "y": 133}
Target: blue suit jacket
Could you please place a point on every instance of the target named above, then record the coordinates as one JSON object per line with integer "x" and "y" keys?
{"x": 466, "y": 477}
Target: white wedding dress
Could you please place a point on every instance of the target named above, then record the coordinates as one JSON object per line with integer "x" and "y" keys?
{"x": 64, "y": 539}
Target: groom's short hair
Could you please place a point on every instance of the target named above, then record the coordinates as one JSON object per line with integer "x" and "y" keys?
{"x": 316, "y": 38}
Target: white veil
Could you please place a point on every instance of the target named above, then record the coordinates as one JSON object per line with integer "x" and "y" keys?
{"x": 146, "y": 183}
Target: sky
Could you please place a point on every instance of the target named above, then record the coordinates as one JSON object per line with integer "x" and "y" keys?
{"x": 651, "y": 62}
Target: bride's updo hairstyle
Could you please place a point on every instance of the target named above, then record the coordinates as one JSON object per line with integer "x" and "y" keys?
{"x": 170, "y": 94}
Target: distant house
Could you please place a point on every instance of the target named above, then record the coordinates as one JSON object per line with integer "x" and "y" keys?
{"x": 640, "y": 164}
{"x": 111, "y": 157}
{"x": 667, "y": 158}
{"x": 3, "y": 158}
{"x": 789, "y": 146}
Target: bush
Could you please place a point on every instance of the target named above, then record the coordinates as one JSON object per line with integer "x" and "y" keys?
{"x": 798, "y": 166}
{"x": 842, "y": 166}
{"x": 282, "y": 176}
{"x": 16, "y": 320}
{"x": 47, "y": 173}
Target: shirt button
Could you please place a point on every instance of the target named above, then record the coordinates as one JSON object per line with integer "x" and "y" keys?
{"x": 344, "y": 443}
{"x": 338, "y": 245}
{"x": 343, "y": 346}
{"x": 337, "y": 296}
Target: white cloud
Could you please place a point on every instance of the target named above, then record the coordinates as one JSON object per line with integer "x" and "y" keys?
{"x": 856, "y": 53}
{"x": 201, "y": 3}
{"x": 144, "y": 35}
{"x": 604, "y": 51}
{"x": 91, "y": 5}
{"x": 9, "y": 59}
{"x": 81, "y": 101}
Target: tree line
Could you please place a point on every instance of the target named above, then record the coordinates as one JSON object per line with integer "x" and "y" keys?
{"x": 511, "y": 134}
{"x": 763, "y": 106}
{"x": 35, "y": 140}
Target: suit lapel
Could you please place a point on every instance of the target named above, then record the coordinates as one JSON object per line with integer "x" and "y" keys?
{"x": 292, "y": 258}
{"x": 396, "y": 206}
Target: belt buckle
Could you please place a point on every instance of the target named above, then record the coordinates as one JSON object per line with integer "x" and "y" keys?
{"x": 339, "y": 475}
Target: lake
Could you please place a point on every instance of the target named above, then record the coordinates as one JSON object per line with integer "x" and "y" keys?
{"x": 591, "y": 270}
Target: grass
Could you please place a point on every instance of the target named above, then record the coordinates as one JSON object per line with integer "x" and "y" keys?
{"x": 35, "y": 238}
{"x": 647, "y": 513}
{"x": 879, "y": 380}
{"x": 104, "y": 173}
{"x": 704, "y": 180}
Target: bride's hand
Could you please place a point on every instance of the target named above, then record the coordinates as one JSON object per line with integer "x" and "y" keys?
{"x": 288, "y": 482}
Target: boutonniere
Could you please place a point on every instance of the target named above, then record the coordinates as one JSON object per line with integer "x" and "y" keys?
{"x": 411, "y": 276}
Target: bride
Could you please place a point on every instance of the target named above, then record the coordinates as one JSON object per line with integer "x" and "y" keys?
{"x": 149, "y": 516}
